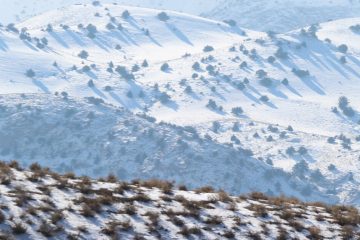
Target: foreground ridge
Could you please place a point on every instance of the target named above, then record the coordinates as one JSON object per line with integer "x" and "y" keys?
{"x": 40, "y": 204}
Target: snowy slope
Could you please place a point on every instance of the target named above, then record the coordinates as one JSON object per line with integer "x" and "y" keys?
{"x": 40, "y": 204}
{"x": 180, "y": 94}
{"x": 97, "y": 139}
{"x": 283, "y": 15}
{"x": 262, "y": 15}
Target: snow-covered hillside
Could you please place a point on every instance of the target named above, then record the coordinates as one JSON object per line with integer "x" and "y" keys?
{"x": 283, "y": 15}
{"x": 274, "y": 95}
{"x": 91, "y": 138}
{"x": 40, "y": 204}
{"x": 261, "y": 15}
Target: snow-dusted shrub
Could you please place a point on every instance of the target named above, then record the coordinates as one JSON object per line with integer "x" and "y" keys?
{"x": 86, "y": 68}
{"x": 236, "y": 127}
{"x": 11, "y": 27}
{"x": 163, "y": 16}
{"x": 92, "y": 30}
{"x": 271, "y": 34}
{"x": 49, "y": 28}
{"x": 135, "y": 68}
{"x": 124, "y": 73}
{"x": 164, "y": 98}
{"x": 271, "y": 59}
{"x": 208, "y": 48}
{"x": 240, "y": 85}
{"x": 243, "y": 64}
{"x": 83, "y": 54}
{"x": 210, "y": 68}
{"x": 196, "y": 66}
{"x": 145, "y": 63}
{"x": 231, "y": 22}
{"x": 44, "y": 41}
{"x": 188, "y": 89}
{"x": 30, "y": 73}
{"x": 91, "y": 83}
{"x": 237, "y": 111}
{"x": 302, "y": 150}
{"x": 290, "y": 151}
{"x": 235, "y": 139}
{"x": 301, "y": 73}
{"x": 125, "y": 14}
{"x": 266, "y": 82}
{"x": 331, "y": 167}
{"x": 343, "y": 48}
{"x": 343, "y": 60}
{"x": 110, "y": 26}
{"x": 108, "y": 88}
{"x": 261, "y": 73}
{"x": 129, "y": 94}
{"x": 213, "y": 106}
{"x": 25, "y": 36}
{"x": 331, "y": 140}
{"x": 232, "y": 49}
{"x": 281, "y": 54}
{"x": 216, "y": 126}
{"x": 165, "y": 67}
{"x": 285, "y": 81}
{"x": 300, "y": 168}
{"x": 94, "y": 100}
{"x": 349, "y": 111}
{"x": 355, "y": 28}
{"x": 96, "y": 3}
{"x": 264, "y": 98}
{"x": 344, "y": 106}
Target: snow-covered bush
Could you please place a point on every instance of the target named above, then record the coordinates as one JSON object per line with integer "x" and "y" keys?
{"x": 208, "y": 48}
{"x": 11, "y": 27}
{"x": 271, "y": 59}
{"x": 145, "y": 63}
{"x": 301, "y": 73}
{"x": 125, "y": 14}
{"x": 30, "y": 73}
{"x": 264, "y": 98}
{"x": 135, "y": 68}
{"x": 261, "y": 73}
{"x": 83, "y": 54}
{"x": 163, "y": 16}
{"x": 196, "y": 66}
{"x": 355, "y": 28}
{"x": 49, "y": 28}
{"x": 188, "y": 89}
{"x": 164, "y": 98}
{"x": 343, "y": 48}
{"x": 344, "y": 106}
{"x": 237, "y": 111}
{"x": 285, "y": 81}
{"x": 110, "y": 26}
{"x": 266, "y": 82}
{"x": 124, "y": 73}
{"x": 92, "y": 30}
{"x": 231, "y": 22}
{"x": 213, "y": 106}
{"x": 243, "y": 64}
{"x": 281, "y": 54}
{"x": 91, "y": 83}
{"x": 165, "y": 67}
